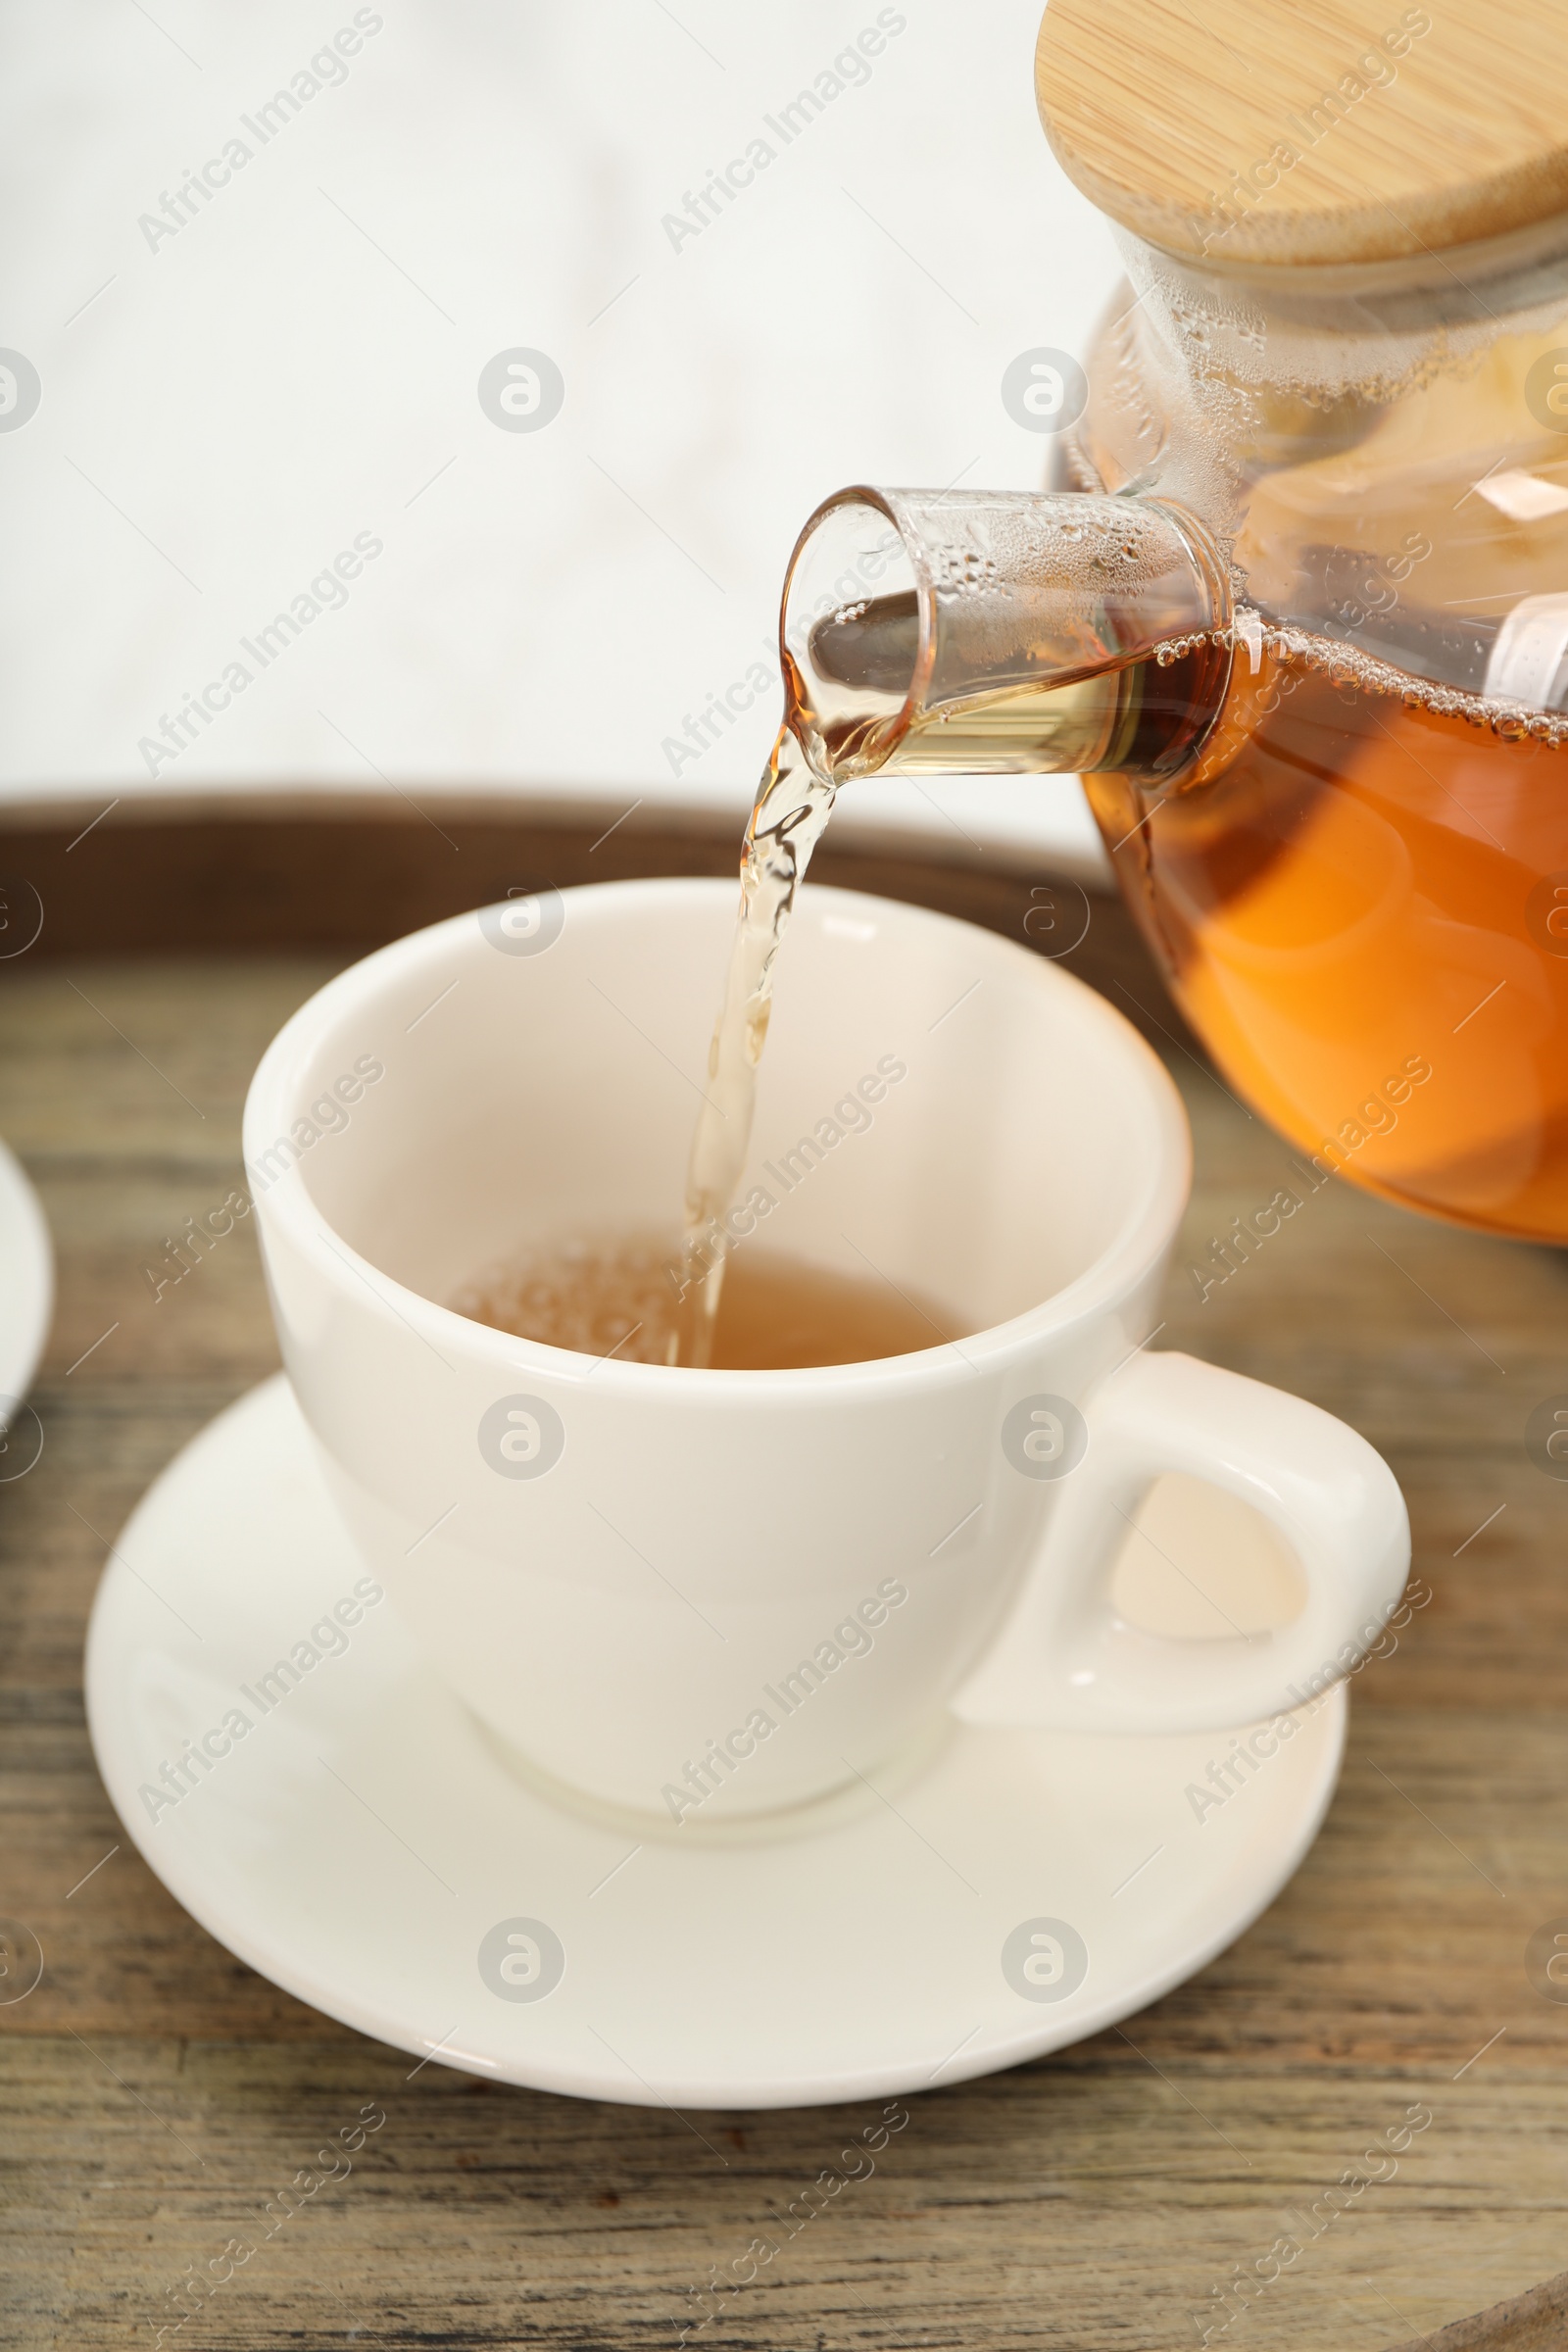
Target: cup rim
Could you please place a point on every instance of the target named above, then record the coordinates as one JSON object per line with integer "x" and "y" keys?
{"x": 1140, "y": 1241}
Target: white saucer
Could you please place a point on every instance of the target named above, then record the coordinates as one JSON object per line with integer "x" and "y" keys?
{"x": 363, "y": 1848}
{"x": 26, "y": 1279}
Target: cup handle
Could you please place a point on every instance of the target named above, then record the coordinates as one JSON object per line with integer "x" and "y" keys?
{"x": 1063, "y": 1659}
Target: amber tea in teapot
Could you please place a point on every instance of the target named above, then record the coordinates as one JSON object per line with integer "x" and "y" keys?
{"x": 1296, "y": 604}
{"x": 1295, "y": 608}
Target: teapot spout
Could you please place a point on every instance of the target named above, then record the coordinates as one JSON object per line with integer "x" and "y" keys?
{"x": 1002, "y": 634}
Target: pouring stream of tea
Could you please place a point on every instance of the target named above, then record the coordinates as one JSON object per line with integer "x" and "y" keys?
{"x": 792, "y": 804}
{"x": 1038, "y": 725}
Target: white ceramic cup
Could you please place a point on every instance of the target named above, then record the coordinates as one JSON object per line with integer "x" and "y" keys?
{"x": 700, "y": 1594}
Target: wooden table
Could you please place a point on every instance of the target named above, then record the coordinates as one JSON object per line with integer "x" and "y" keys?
{"x": 155, "y": 2092}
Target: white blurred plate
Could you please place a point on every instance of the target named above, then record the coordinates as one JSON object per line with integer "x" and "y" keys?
{"x": 27, "y": 1280}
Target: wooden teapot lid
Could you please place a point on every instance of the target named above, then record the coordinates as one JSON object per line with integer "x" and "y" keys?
{"x": 1265, "y": 131}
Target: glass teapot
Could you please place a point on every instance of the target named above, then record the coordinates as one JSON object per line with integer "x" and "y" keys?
{"x": 1296, "y": 604}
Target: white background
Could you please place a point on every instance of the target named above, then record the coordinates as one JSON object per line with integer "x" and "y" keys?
{"x": 220, "y": 415}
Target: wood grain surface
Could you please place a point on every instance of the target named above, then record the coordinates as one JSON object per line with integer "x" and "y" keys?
{"x": 1356, "y": 130}
{"x": 156, "y": 2093}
